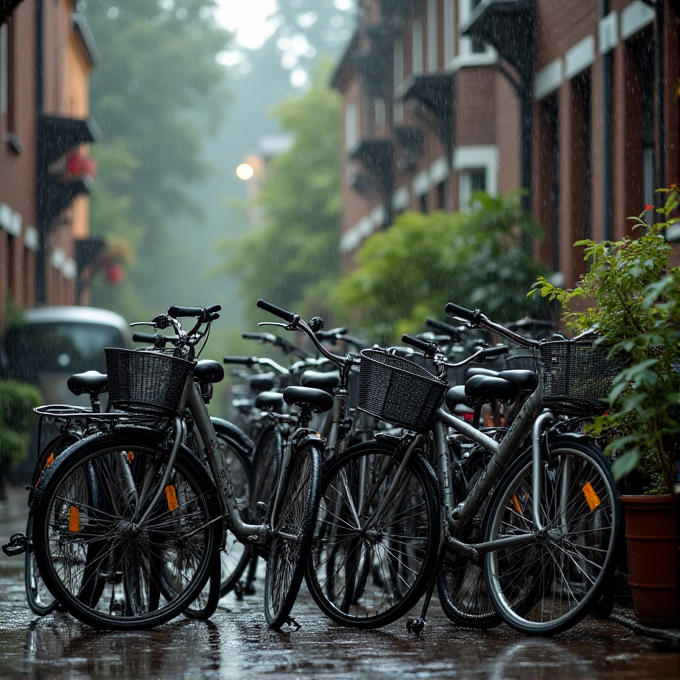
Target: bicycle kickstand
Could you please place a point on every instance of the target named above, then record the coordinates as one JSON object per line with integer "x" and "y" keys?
{"x": 417, "y": 625}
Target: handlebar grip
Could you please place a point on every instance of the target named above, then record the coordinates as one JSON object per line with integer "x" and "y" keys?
{"x": 247, "y": 361}
{"x": 254, "y": 336}
{"x": 495, "y": 351}
{"x": 462, "y": 312}
{"x": 422, "y": 345}
{"x": 175, "y": 311}
{"x": 149, "y": 338}
{"x": 277, "y": 311}
{"x": 451, "y": 331}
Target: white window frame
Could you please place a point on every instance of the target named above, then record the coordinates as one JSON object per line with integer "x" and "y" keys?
{"x": 468, "y": 158}
{"x": 466, "y": 57}
{"x": 432, "y": 41}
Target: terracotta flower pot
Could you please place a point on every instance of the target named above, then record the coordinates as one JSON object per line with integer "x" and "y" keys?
{"x": 653, "y": 563}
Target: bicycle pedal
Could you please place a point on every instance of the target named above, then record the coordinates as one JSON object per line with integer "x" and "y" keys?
{"x": 18, "y": 544}
{"x": 292, "y": 622}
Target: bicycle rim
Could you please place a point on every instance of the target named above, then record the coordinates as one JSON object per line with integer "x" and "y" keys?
{"x": 550, "y": 585}
{"x": 40, "y": 600}
{"x": 103, "y": 568}
{"x": 368, "y": 570}
{"x": 291, "y": 535}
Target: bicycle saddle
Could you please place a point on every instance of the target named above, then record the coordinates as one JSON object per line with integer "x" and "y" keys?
{"x": 90, "y": 382}
{"x": 483, "y": 388}
{"x": 269, "y": 401}
{"x": 322, "y": 381}
{"x": 321, "y": 401}
{"x": 208, "y": 371}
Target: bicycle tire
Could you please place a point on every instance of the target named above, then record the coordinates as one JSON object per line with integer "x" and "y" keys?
{"x": 234, "y": 557}
{"x": 368, "y": 579}
{"x": 106, "y": 572}
{"x": 291, "y": 533}
{"x": 464, "y": 596}
{"x": 548, "y": 586}
{"x": 40, "y": 600}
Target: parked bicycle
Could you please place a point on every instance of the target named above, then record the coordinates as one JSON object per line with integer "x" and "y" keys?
{"x": 541, "y": 517}
{"x": 128, "y": 524}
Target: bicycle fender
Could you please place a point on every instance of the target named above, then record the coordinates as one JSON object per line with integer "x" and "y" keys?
{"x": 574, "y": 437}
{"x": 236, "y": 436}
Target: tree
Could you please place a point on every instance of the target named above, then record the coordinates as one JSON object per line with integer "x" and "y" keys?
{"x": 474, "y": 258}
{"x": 156, "y": 94}
{"x": 294, "y": 257}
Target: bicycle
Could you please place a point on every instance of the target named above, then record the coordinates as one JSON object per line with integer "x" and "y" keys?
{"x": 541, "y": 518}
{"x": 134, "y": 544}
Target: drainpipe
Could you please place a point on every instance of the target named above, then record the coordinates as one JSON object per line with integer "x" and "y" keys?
{"x": 661, "y": 176}
{"x": 607, "y": 217}
{"x": 41, "y": 254}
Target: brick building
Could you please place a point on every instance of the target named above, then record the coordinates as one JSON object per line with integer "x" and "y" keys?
{"x": 46, "y": 54}
{"x": 575, "y": 101}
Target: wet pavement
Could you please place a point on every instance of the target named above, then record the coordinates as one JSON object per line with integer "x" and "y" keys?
{"x": 236, "y": 643}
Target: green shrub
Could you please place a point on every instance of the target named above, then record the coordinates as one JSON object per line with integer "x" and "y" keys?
{"x": 17, "y": 401}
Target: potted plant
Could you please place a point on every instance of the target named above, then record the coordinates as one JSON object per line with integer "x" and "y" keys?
{"x": 631, "y": 296}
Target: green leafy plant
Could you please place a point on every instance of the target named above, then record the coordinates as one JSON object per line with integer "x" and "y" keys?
{"x": 630, "y": 296}
{"x": 17, "y": 399}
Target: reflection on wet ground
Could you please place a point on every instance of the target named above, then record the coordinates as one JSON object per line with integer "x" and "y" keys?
{"x": 236, "y": 643}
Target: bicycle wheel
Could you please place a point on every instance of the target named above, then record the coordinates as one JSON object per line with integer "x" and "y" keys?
{"x": 235, "y": 556}
{"x": 464, "y": 597}
{"x": 105, "y": 568}
{"x": 38, "y": 597}
{"x": 368, "y": 569}
{"x": 291, "y": 533}
{"x": 266, "y": 465}
{"x": 548, "y": 586}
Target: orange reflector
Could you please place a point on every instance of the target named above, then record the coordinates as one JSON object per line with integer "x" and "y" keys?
{"x": 131, "y": 455}
{"x": 73, "y": 519}
{"x": 49, "y": 461}
{"x": 592, "y": 498}
{"x": 171, "y": 496}
{"x": 516, "y": 504}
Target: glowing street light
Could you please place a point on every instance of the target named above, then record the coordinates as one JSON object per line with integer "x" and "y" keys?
{"x": 245, "y": 171}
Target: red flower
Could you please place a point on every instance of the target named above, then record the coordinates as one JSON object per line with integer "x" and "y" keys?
{"x": 114, "y": 273}
{"x": 650, "y": 207}
{"x": 79, "y": 165}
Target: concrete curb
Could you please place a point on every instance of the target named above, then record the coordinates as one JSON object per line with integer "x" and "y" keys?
{"x": 669, "y": 636}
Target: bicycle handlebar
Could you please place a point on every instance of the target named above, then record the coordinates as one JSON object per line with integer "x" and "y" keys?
{"x": 282, "y": 313}
{"x": 476, "y": 318}
{"x": 206, "y": 313}
{"x": 447, "y": 329}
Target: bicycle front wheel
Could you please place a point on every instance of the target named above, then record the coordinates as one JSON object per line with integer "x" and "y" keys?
{"x": 108, "y": 569}
{"x": 549, "y": 585}
{"x": 372, "y": 558}
{"x": 291, "y": 534}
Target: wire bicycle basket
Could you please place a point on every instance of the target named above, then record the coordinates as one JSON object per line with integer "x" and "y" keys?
{"x": 397, "y": 390}
{"x": 577, "y": 375}
{"x": 142, "y": 381}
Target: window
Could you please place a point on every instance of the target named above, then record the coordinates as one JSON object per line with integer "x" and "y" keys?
{"x": 422, "y": 203}
{"x": 4, "y": 72}
{"x": 432, "y": 43}
{"x": 472, "y": 52}
{"x": 351, "y": 131}
{"x": 417, "y": 47}
{"x": 582, "y": 156}
{"x": 398, "y": 79}
{"x": 477, "y": 168}
{"x": 550, "y": 106}
{"x": 441, "y": 195}
{"x": 449, "y": 32}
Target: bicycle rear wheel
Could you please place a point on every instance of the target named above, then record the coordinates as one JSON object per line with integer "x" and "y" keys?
{"x": 367, "y": 569}
{"x": 291, "y": 534}
{"x": 107, "y": 570}
{"x": 549, "y": 585}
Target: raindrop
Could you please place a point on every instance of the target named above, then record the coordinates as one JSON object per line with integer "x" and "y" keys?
{"x": 112, "y": 13}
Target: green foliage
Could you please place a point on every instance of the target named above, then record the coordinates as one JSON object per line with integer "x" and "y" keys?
{"x": 631, "y": 297}
{"x": 295, "y": 252}
{"x": 474, "y": 258}
{"x": 156, "y": 94}
{"x": 17, "y": 400}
